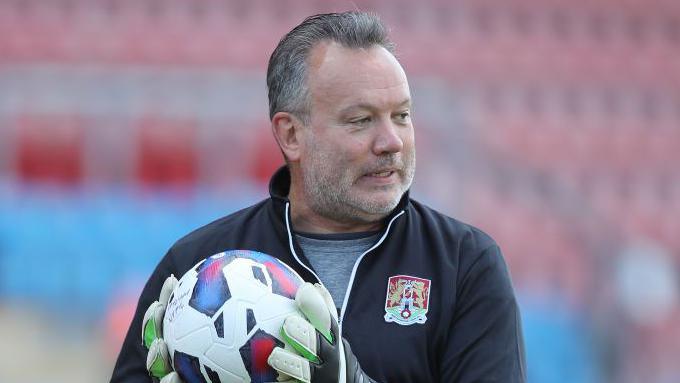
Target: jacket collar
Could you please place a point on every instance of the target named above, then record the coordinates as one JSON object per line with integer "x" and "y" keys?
{"x": 279, "y": 186}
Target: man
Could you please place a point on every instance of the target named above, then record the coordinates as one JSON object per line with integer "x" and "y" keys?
{"x": 340, "y": 214}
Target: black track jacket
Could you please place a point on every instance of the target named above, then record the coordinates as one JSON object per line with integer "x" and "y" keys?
{"x": 471, "y": 330}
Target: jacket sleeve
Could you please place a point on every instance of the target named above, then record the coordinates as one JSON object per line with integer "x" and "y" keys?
{"x": 131, "y": 363}
{"x": 485, "y": 342}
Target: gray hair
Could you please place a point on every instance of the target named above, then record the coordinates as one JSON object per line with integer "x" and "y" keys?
{"x": 287, "y": 70}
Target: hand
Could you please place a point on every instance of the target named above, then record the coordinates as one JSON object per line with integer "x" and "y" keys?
{"x": 322, "y": 357}
{"x": 158, "y": 359}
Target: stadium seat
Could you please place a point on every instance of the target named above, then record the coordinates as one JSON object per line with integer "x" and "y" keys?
{"x": 166, "y": 152}
{"x": 50, "y": 148}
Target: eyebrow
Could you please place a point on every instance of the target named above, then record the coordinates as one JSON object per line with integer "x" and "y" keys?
{"x": 406, "y": 102}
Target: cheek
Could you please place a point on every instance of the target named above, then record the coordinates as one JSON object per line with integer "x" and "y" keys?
{"x": 339, "y": 150}
{"x": 408, "y": 136}
{"x": 409, "y": 141}
{"x": 345, "y": 149}
{"x": 321, "y": 153}
{"x": 356, "y": 151}
{"x": 356, "y": 147}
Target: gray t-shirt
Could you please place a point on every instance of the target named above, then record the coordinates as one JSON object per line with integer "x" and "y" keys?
{"x": 333, "y": 256}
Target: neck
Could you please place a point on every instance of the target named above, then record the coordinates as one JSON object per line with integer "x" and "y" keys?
{"x": 305, "y": 219}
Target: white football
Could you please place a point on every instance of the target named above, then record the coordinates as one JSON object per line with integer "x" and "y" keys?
{"x": 224, "y": 317}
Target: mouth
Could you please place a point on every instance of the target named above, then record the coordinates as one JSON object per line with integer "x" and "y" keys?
{"x": 381, "y": 174}
{"x": 380, "y": 180}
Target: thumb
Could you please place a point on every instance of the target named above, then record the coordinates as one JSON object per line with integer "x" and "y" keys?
{"x": 166, "y": 290}
{"x": 330, "y": 305}
{"x": 312, "y": 303}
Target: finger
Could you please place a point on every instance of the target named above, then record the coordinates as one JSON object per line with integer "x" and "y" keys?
{"x": 284, "y": 378}
{"x": 152, "y": 324}
{"x": 313, "y": 305}
{"x": 158, "y": 360}
{"x": 172, "y": 377}
{"x": 300, "y": 334}
{"x": 330, "y": 305}
{"x": 166, "y": 290}
{"x": 290, "y": 364}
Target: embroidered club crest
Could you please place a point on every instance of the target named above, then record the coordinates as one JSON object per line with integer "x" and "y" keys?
{"x": 407, "y": 300}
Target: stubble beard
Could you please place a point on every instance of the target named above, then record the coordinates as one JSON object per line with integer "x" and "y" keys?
{"x": 328, "y": 190}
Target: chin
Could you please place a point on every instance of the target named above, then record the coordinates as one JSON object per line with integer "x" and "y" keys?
{"x": 382, "y": 205}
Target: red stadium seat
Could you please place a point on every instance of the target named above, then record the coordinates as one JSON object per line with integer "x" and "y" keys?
{"x": 166, "y": 152}
{"x": 50, "y": 148}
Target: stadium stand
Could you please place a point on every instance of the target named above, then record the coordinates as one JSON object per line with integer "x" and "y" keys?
{"x": 124, "y": 124}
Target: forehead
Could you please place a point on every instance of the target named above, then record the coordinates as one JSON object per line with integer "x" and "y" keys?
{"x": 339, "y": 77}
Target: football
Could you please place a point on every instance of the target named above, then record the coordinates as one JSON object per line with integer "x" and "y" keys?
{"x": 224, "y": 317}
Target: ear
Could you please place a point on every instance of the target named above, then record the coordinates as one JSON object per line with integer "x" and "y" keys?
{"x": 287, "y": 130}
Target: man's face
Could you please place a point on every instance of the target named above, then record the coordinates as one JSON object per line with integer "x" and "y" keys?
{"x": 357, "y": 153}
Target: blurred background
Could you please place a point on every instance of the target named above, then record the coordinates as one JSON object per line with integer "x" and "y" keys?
{"x": 552, "y": 125}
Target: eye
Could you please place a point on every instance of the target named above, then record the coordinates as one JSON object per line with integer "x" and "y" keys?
{"x": 361, "y": 120}
{"x": 403, "y": 116}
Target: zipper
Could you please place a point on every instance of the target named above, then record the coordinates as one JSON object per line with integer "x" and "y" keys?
{"x": 292, "y": 248}
{"x": 343, "y": 368}
{"x": 356, "y": 266}
{"x": 354, "y": 269}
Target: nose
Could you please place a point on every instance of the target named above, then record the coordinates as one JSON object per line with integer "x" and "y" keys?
{"x": 387, "y": 140}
